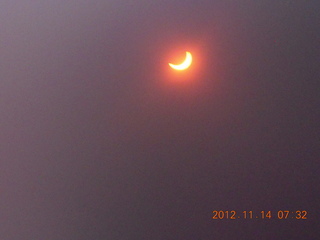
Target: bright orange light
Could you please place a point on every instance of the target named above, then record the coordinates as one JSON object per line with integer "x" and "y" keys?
{"x": 185, "y": 64}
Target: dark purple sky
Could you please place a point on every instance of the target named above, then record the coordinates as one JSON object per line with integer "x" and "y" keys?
{"x": 98, "y": 141}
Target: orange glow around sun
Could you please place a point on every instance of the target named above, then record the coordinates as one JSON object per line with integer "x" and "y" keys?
{"x": 184, "y": 65}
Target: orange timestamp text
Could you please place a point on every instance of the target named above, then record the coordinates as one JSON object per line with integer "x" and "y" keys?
{"x": 281, "y": 214}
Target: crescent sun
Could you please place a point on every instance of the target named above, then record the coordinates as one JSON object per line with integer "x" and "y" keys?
{"x": 185, "y": 64}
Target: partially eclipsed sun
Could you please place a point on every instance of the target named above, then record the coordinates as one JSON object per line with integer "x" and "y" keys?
{"x": 186, "y": 63}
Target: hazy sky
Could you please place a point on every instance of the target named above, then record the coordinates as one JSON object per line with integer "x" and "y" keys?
{"x": 101, "y": 140}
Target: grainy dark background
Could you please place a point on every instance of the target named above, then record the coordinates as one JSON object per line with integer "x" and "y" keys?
{"x": 98, "y": 140}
